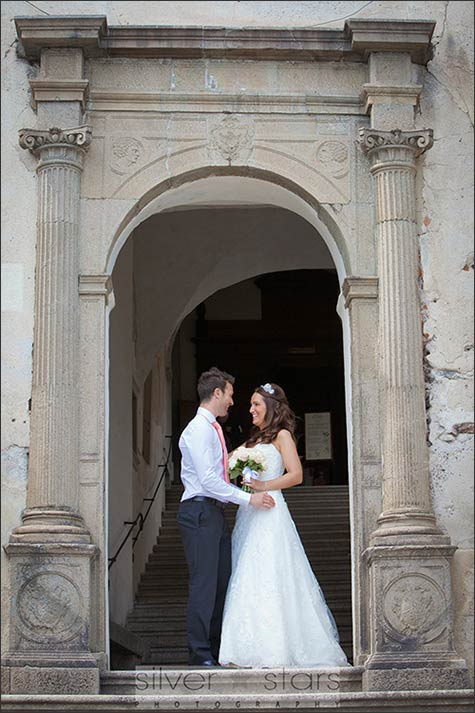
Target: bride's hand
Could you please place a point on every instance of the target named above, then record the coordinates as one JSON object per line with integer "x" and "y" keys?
{"x": 257, "y": 485}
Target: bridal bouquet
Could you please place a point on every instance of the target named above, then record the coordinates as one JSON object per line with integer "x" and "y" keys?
{"x": 247, "y": 462}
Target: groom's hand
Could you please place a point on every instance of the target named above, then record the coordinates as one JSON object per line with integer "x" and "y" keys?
{"x": 262, "y": 500}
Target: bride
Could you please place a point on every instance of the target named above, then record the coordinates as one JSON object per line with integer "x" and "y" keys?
{"x": 275, "y": 613}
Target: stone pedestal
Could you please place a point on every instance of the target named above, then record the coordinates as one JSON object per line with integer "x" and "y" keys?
{"x": 51, "y": 551}
{"x": 408, "y": 557}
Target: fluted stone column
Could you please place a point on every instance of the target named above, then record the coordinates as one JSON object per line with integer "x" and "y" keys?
{"x": 406, "y": 498}
{"x": 51, "y": 612}
{"x": 409, "y": 558}
{"x": 53, "y": 488}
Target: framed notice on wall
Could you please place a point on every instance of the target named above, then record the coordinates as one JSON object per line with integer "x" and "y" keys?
{"x": 318, "y": 436}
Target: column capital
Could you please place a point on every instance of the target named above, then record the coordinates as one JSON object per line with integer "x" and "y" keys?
{"x": 373, "y": 141}
{"x": 57, "y": 145}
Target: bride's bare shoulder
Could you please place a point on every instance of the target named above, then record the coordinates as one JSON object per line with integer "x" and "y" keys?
{"x": 283, "y": 437}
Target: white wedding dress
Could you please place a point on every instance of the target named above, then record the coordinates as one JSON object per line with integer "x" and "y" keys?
{"x": 275, "y": 613}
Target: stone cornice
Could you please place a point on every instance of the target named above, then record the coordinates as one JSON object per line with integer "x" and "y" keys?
{"x": 49, "y": 90}
{"x": 37, "y": 139}
{"x": 246, "y": 103}
{"x": 418, "y": 141}
{"x": 413, "y": 36}
{"x": 95, "y": 285}
{"x": 365, "y": 288}
{"x": 354, "y": 43}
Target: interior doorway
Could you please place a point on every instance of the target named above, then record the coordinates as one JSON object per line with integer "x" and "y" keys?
{"x": 279, "y": 327}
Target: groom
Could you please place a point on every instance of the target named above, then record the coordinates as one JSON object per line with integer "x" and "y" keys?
{"x": 201, "y": 517}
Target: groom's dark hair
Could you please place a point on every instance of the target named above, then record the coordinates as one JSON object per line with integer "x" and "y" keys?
{"x": 210, "y": 380}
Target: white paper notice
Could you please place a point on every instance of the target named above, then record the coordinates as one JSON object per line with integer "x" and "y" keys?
{"x": 318, "y": 438}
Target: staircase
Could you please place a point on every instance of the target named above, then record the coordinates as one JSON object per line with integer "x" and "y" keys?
{"x": 321, "y": 515}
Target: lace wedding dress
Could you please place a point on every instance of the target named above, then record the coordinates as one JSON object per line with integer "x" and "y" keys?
{"x": 275, "y": 613}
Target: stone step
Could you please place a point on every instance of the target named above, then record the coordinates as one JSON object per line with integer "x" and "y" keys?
{"x": 337, "y": 604}
{"x": 222, "y": 681}
{"x": 323, "y": 514}
{"x": 336, "y": 540}
{"x": 297, "y": 504}
{"x": 346, "y": 701}
{"x": 312, "y": 522}
{"x": 170, "y": 657}
{"x": 327, "y": 559}
{"x": 332, "y": 566}
{"x": 336, "y": 585}
{"x": 177, "y": 638}
{"x": 180, "y": 580}
{"x": 147, "y": 612}
{"x": 178, "y": 607}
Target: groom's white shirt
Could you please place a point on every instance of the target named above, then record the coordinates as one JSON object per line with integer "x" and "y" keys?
{"x": 202, "y": 462}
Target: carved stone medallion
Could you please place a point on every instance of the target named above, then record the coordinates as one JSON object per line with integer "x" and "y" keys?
{"x": 333, "y": 156}
{"x": 232, "y": 138}
{"x": 49, "y": 607}
{"x": 414, "y": 608}
{"x": 125, "y": 152}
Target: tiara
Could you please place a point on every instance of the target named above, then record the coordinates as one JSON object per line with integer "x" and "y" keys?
{"x": 268, "y": 388}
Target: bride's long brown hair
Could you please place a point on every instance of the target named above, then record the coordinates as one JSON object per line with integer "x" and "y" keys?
{"x": 278, "y": 416}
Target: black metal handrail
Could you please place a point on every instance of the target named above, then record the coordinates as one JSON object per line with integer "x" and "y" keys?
{"x": 140, "y": 518}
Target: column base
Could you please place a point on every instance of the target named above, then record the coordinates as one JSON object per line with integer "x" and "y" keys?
{"x": 47, "y": 673}
{"x": 48, "y": 524}
{"x": 51, "y": 619}
{"x": 386, "y": 674}
{"x": 412, "y": 644}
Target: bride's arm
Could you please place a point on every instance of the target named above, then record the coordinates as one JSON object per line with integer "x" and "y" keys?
{"x": 293, "y": 476}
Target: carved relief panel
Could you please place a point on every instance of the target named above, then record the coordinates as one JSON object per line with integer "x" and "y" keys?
{"x": 51, "y": 609}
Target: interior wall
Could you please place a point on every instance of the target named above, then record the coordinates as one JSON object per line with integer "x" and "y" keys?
{"x": 183, "y": 257}
{"x": 120, "y": 433}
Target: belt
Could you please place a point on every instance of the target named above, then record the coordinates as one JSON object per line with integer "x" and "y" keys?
{"x": 204, "y": 498}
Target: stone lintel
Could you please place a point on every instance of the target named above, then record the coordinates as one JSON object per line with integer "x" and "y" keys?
{"x": 359, "y": 288}
{"x": 353, "y": 43}
{"x": 64, "y": 90}
{"x": 412, "y": 36}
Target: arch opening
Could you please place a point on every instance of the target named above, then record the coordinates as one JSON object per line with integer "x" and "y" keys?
{"x": 172, "y": 262}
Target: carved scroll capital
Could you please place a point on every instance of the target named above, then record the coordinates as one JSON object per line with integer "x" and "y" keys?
{"x": 57, "y": 146}
{"x": 36, "y": 139}
{"x": 417, "y": 141}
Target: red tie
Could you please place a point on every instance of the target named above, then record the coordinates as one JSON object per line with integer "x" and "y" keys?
{"x": 219, "y": 431}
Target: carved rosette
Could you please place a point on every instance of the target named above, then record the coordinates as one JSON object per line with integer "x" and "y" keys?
{"x": 56, "y": 146}
{"x": 232, "y": 140}
{"x": 333, "y": 157}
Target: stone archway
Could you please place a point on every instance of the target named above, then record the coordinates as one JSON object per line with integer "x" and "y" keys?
{"x": 180, "y": 257}
{"x": 59, "y": 550}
